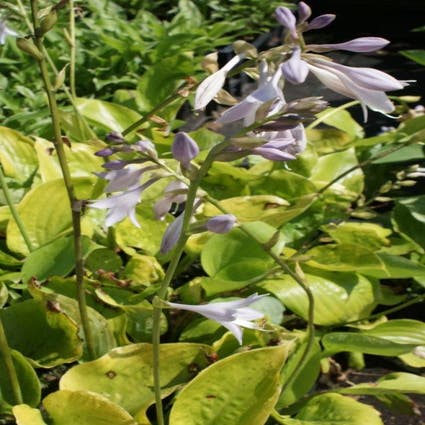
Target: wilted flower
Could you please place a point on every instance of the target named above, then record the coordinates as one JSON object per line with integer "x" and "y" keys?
{"x": 233, "y": 315}
{"x": 209, "y": 88}
{"x": 5, "y": 31}
{"x": 184, "y": 148}
{"x": 221, "y": 223}
{"x": 175, "y": 192}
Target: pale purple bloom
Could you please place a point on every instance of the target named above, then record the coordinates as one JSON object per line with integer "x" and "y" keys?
{"x": 294, "y": 69}
{"x": 286, "y": 18}
{"x": 126, "y": 178}
{"x": 304, "y": 12}
{"x": 268, "y": 90}
{"x": 114, "y": 137}
{"x": 221, "y": 223}
{"x": 233, "y": 315}
{"x": 175, "y": 192}
{"x": 105, "y": 152}
{"x": 146, "y": 147}
{"x": 120, "y": 206}
{"x": 210, "y": 87}
{"x": 321, "y": 21}
{"x": 358, "y": 45}
{"x": 172, "y": 235}
{"x": 116, "y": 164}
{"x": 5, "y": 31}
{"x": 184, "y": 148}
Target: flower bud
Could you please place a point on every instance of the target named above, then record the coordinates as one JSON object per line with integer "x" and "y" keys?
{"x": 184, "y": 148}
{"x": 114, "y": 137}
{"x": 146, "y": 147}
{"x": 321, "y": 21}
{"x": 28, "y": 46}
{"x": 304, "y": 12}
{"x": 47, "y": 23}
{"x": 115, "y": 165}
{"x": 104, "y": 152}
{"x": 221, "y": 223}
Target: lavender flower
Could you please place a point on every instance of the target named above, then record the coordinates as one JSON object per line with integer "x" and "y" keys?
{"x": 184, "y": 148}
{"x": 364, "y": 84}
{"x": 175, "y": 192}
{"x": 221, "y": 223}
{"x": 171, "y": 235}
{"x": 5, "y": 31}
{"x": 233, "y": 315}
{"x": 209, "y": 88}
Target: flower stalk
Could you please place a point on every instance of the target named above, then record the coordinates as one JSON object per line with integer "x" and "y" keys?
{"x": 178, "y": 251}
{"x": 75, "y": 204}
{"x": 6, "y": 358}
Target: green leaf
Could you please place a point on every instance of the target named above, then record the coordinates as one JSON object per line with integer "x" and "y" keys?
{"x": 4, "y": 294}
{"x": 408, "y": 153}
{"x": 305, "y": 378}
{"x": 337, "y": 342}
{"x": 17, "y": 155}
{"x": 26, "y": 415}
{"x": 409, "y": 218}
{"x": 342, "y": 120}
{"x": 106, "y": 115}
{"x": 329, "y": 167}
{"x": 398, "y": 382}
{"x": 124, "y": 375}
{"x": 84, "y": 408}
{"x": 47, "y": 337}
{"x": 27, "y": 378}
{"x": 143, "y": 270}
{"x": 103, "y": 259}
{"x": 147, "y": 238}
{"x": 339, "y": 297}
{"x": 82, "y": 161}
{"x": 371, "y": 236}
{"x": 239, "y": 390}
{"x": 401, "y": 331}
{"x": 395, "y": 267}
{"x": 236, "y": 256}
{"x": 333, "y": 409}
{"x": 46, "y": 213}
{"x": 417, "y": 55}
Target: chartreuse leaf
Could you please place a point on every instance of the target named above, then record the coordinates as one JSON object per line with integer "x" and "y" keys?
{"x": 330, "y": 166}
{"x": 82, "y": 161}
{"x": 398, "y": 382}
{"x": 84, "y": 408}
{"x": 236, "y": 256}
{"x": 409, "y": 218}
{"x": 46, "y": 213}
{"x": 266, "y": 208}
{"x": 336, "y": 342}
{"x": 26, "y": 415}
{"x": 103, "y": 338}
{"x": 17, "y": 155}
{"x": 28, "y": 381}
{"x": 41, "y": 333}
{"x": 148, "y": 237}
{"x": 305, "y": 378}
{"x": 4, "y": 294}
{"x": 109, "y": 116}
{"x": 333, "y": 409}
{"x": 339, "y": 297}
{"x": 342, "y": 120}
{"x": 124, "y": 375}
{"x": 401, "y": 331}
{"x": 239, "y": 390}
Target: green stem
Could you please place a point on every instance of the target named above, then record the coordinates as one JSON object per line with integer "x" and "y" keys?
{"x": 76, "y": 205}
{"x": 323, "y": 117}
{"x": 14, "y": 211}
{"x": 72, "y": 49}
{"x": 153, "y": 111}
{"x": 178, "y": 251}
{"x": 24, "y": 14}
{"x": 360, "y": 165}
{"x": 6, "y": 357}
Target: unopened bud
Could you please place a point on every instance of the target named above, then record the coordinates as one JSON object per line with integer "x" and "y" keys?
{"x": 28, "y": 46}
{"x": 407, "y": 183}
{"x": 47, "y": 23}
{"x": 184, "y": 148}
{"x": 221, "y": 223}
{"x": 114, "y": 137}
{"x": 115, "y": 165}
{"x": 104, "y": 152}
{"x": 146, "y": 147}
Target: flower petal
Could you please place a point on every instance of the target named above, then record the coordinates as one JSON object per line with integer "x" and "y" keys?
{"x": 286, "y": 18}
{"x": 360, "y": 45}
{"x": 304, "y": 12}
{"x": 321, "y": 21}
{"x": 295, "y": 70}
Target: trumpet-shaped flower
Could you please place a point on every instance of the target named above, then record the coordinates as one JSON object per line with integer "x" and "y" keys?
{"x": 233, "y": 315}
{"x": 221, "y": 223}
{"x": 5, "y": 31}
{"x": 175, "y": 192}
{"x": 184, "y": 148}
{"x": 210, "y": 87}
{"x": 268, "y": 91}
